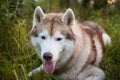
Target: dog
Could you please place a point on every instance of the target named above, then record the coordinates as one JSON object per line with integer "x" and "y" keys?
{"x": 69, "y": 50}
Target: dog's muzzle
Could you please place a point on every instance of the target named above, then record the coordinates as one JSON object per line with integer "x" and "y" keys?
{"x": 48, "y": 64}
{"x": 47, "y": 56}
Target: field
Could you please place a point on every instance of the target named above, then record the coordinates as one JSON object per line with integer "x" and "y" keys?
{"x": 17, "y": 55}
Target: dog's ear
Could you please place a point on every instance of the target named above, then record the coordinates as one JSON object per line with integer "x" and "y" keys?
{"x": 68, "y": 17}
{"x": 38, "y": 16}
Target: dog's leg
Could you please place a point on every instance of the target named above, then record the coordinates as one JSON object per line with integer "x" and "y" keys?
{"x": 95, "y": 73}
{"x": 35, "y": 71}
{"x": 91, "y": 73}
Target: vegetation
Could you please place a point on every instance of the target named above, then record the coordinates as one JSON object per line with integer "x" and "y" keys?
{"x": 18, "y": 57}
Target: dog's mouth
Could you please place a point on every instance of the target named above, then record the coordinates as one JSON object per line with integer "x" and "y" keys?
{"x": 49, "y": 67}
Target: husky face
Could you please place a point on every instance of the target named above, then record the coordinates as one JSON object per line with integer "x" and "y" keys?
{"x": 52, "y": 36}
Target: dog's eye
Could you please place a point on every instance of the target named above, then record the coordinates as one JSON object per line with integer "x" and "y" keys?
{"x": 59, "y": 39}
{"x": 43, "y": 37}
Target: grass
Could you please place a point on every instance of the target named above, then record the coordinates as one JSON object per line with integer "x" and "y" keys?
{"x": 18, "y": 57}
{"x": 111, "y": 59}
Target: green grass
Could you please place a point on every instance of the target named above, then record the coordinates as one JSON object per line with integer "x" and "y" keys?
{"x": 111, "y": 59}
{"x": 18, "y": 57}
{"x": 16, "y": 63}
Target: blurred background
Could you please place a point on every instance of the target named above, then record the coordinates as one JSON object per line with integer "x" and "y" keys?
{"x": 18, "y": 57}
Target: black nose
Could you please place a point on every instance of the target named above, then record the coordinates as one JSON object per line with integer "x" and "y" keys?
{"x": 47, "y": 56}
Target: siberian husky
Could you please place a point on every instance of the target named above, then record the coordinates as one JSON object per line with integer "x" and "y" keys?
{"x": 69, "y": 50}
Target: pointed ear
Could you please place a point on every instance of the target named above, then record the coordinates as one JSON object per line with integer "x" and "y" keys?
{"x": 38, "y": 16}
{"x": 68, "y": 17}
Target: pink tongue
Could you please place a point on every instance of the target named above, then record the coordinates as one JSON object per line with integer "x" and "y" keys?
{"x": 49, "y": 67}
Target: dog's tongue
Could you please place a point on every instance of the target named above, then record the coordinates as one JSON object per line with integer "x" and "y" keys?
{"x": 49, "y": 67}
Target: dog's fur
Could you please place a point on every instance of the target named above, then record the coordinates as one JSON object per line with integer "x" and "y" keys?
{"x": 76, "y": 48}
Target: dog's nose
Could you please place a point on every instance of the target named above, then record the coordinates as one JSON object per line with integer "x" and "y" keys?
{"x": 47, "y": 56}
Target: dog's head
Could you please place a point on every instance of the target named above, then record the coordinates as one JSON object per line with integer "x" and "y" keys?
{"x": 52, "y": 35}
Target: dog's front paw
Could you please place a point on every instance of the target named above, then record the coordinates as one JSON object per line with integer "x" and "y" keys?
{"x": 34, "y": 71}
{"x": 29, "y": 74}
